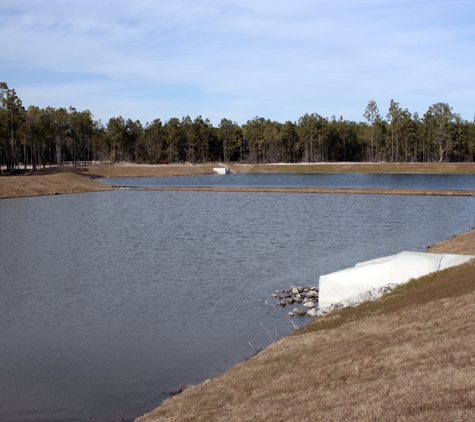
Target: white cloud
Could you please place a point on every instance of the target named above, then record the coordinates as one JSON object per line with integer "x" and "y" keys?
{"x": 242, "y": 57}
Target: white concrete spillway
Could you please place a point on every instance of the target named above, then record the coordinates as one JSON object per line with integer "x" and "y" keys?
{"x": 221, "y": 170}
{"x": 370, "y": 279}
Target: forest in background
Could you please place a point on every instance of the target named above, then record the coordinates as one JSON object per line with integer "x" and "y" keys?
{"x": 58, "y": 136}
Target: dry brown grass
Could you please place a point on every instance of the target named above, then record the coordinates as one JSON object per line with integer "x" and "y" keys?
{"x": 436, "y": 168}
{"x": 367, "y": 191}
{"x": 407, "y": 357}
{"x": 460, "y": 244}
{"x": 49, "y": 183}
{"x": 137, "y": 170}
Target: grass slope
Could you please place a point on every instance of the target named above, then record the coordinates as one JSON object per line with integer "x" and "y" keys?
{"x": 48, "y": 183}
{"x": 144, "y": 170}
{"x": 435, "y": 168}
{"x": 407, "y": 357}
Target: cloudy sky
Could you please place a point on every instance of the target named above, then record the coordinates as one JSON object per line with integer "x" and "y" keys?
{"x": 239, "y": 59}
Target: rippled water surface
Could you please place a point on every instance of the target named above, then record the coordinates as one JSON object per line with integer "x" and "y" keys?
{"x": 326, "y": 180}
{"x": 109, "y": 300}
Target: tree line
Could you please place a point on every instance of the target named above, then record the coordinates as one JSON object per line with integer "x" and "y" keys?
{"x": 57, "y": 136}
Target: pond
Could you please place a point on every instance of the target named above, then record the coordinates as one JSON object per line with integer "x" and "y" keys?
{"x": 110, "y": 300}
{"x": 305, "y": 180}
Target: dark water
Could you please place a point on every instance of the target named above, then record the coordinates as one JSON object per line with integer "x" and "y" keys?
{"x": 110, "y": 300}
{"x": 294, "y": 180}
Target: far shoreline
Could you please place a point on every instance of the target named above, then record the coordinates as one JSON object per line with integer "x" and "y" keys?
{"x": 66, "y": 179}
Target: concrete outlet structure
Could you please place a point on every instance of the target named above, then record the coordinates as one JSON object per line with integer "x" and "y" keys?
{"x": 346, "y": 286}
{"x": 221, "y": 170}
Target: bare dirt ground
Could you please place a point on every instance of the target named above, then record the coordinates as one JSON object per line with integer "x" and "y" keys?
{"x": 406, "y": 357}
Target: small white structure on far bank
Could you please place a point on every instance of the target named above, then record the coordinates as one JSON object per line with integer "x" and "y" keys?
{"x": 371, "y": 279}
{"x": 221, "y": 170}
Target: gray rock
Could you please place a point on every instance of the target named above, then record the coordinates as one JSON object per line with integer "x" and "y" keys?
{"x": 322, "y": 311}
{"x": 312, "y": 313}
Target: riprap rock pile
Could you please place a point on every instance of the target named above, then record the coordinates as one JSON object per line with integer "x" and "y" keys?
{"x": 304, "y": 296}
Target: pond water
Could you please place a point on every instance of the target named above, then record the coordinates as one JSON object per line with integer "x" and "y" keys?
{"x": 303, "y": 180}
{"x": 110, "y": 300}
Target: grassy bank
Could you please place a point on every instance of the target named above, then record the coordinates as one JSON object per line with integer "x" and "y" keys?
{"x": 414, "y": 168}
{"x": 367, "y": 191}
{"x": 136, "y": 170}
{"x": 49, "y": 183}
{"x": 407, "y": 357}
{"x": 144, "y": 170}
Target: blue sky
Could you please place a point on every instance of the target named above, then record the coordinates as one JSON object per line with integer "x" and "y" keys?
{"x": 239, "y": 59}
